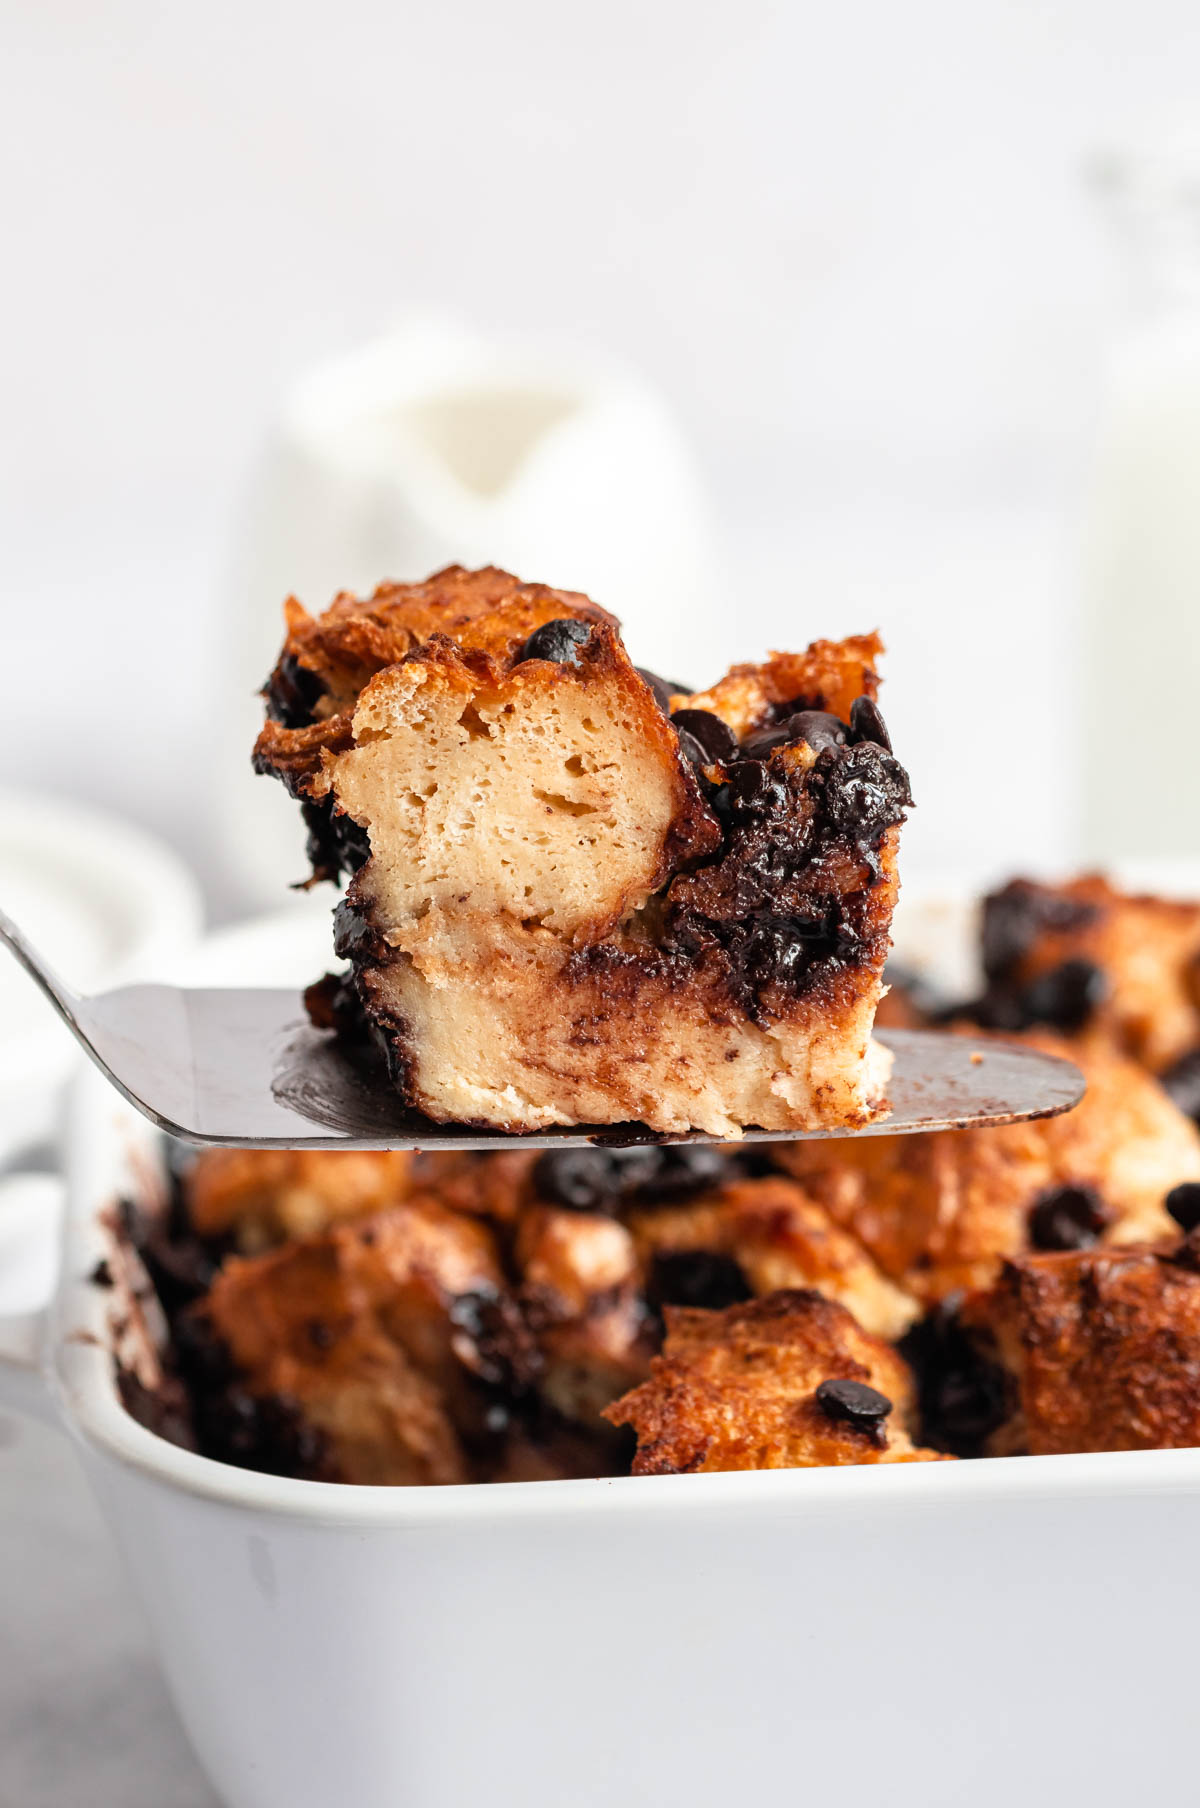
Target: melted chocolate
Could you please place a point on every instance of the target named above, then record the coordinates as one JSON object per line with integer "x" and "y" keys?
{"x": 1068, "y": 1217}
{"x": 1016, "y": 916}
{"x": 696, "y": 1277}
{"x": 292, "y": 693}
{"x": 336, "y": 843}
{"x": 963, "y": 1396}
{"x": 715, "y": 738}
{"x": 771, "y": 907}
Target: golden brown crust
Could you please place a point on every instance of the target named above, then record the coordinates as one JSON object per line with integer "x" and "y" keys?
{"x": 1102, "y": 1346}
{"x": 942, "y": 1212}
{"x": 372, "y": 1330}
{"x": 479, "y": 618}
{"x": 829, "y": 675}
{"x": 738, "y": 1390}
{"x": 487, "y": 611}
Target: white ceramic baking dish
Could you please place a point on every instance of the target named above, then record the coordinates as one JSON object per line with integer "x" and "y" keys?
{"x": 974, "y": 1633}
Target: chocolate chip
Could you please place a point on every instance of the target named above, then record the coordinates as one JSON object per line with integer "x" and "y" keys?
{"x": 780, "y": 949}
{"x": 691, "y": 749}
{"x": 853, "y": 1403}
{"x": 696, "y": 1277}
{"x": 963, "y": 1396}
{"x": 102, "y": 1275}
{"x": 336, "y": 843}
{"x": 292, "y": 692}
{"x": 590, "y": 1180}
{"x": 557, "y": 641}
{"x": 681, "y": 1172}
{"x": 715, "y": 737}
{"x": 818, "y": 728}
{"x": 333, "y": 1004}
{"x": 1187, "y": 1256}
{"x": 1008, "y": 931}
{"x": 866, "y": 790}
{"x": 582, "y": 1180}
{"x": 637, "y": 1167}
{"x": 203, "y": 1358}
{"x": 1183, "y": 1203}
{"x": 753, "y": 789}
{"x": 1068, "y": 1217}
{"x": 866, "y": 723}
{"x": 663, "y": 689}
{"x": 963, "y": 1405}
{"x": 764, "y": 741}
{"x": 267, "y": 1432}
{"x": 162, "y": 1408}
{"x": 1066, "y": 996}
{"x": 1017, "y": 914}
{"x": 493, "y": 1341}
{"x": 181, "y": 1268}
{"x": 815, "y": 726}
{"x": 1182, "y": 1083}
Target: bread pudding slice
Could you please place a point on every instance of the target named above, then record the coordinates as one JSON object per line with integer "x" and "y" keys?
{"x": 786, "y": 1382}
{"x": 578, "y": 895}
{"x": 942, "y": 1211}
{"x": 1101, "y": 1348}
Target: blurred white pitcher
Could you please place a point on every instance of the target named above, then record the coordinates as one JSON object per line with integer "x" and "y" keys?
{"x": 434, "y": 446}
{"x": 1142, "y": 605}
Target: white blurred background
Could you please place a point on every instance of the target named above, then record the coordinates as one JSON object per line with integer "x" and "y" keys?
{"x": 851, "y": 246}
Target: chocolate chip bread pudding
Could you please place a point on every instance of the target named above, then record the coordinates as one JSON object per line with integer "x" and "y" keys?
{"x": 578, "y": 894}
{"x": 407, "y": 1319}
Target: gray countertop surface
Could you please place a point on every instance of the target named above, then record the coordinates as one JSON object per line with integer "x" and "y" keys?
{"x": 85, "y": 1718}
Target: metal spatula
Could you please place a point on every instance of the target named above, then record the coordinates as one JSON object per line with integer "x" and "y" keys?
{"x": 244, "y": 1067}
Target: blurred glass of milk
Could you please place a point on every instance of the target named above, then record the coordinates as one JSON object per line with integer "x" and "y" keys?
{"x": 1141, "y": 787}
{"x": 435, "y": 446}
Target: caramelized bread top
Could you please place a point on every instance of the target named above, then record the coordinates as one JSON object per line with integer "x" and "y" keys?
{"x": 378, "y": 1330}
{"x": 787, "y": 1382}
{"x": 1102, "y": 1345}
{"x": 487, "y": 612}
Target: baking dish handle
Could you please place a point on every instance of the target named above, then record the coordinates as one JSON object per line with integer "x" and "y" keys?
{"x": 31, "y": 1208}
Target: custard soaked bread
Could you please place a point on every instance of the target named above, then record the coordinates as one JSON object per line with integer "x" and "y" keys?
{"x": 580, "y": 896}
